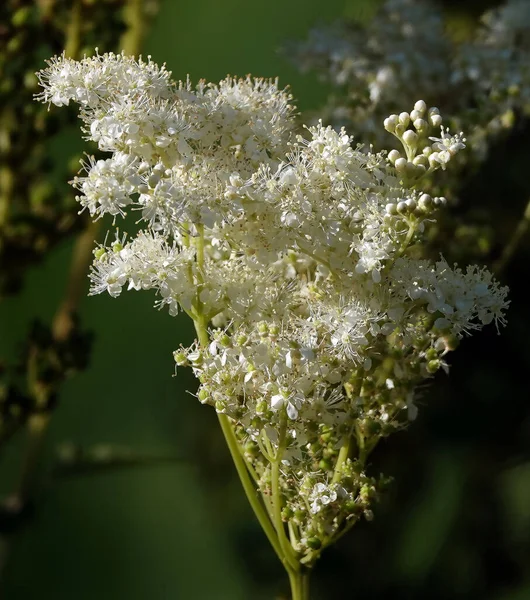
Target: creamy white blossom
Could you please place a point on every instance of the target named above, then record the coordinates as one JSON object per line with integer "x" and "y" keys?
{"x": 292, "y": 254}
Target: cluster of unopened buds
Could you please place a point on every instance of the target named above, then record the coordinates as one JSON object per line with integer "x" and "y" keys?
{"x": 412, "y": 130}
{"x": 291, "y": 255}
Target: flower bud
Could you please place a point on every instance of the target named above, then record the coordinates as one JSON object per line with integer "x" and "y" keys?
{"x": 425, "y": 202}
{"x": 287, "y": 513}
{"x": 314, "y": 543}
{"x": 410, "y": 138}
{"x": 203, "y": 395}
{"x": 420, "y": 125}
{"x": 420, "y": 106}
{"x": 390, "y": 123}
{"x": 404, "y": 119}
{"x": 299, "y": 515}
{"x": 431, "y": 354}
{"x": 261, "y": 407}
{"x": 391, "y": 209}
{"x": 220, "y": 407}
{"x": 435, "y": 120}
{"x": 181, "y": 359}
{"x": 411, "y": 204}
{"x": 225, "y": 340}
{"x": 420, "y": 160}
{"x": 401, "y": 164}
{"x": 433, "y": 366}
{"x": 263, "y": 329}
{"x": 100, "y": 253}
{"x": 450, "y": 342}
{"x": 402, "y": 207}
{"x": 393, "y": 155}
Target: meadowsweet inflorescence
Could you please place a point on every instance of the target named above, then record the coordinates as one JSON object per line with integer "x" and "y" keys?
{"x": 292, "y": 254}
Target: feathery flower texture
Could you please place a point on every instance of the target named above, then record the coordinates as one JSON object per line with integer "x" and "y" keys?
{"x": 292, "y": 256}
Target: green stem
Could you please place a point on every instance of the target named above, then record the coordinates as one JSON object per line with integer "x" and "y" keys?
{"x": 515, "y": 240}
{"x": 408, "y": 239}
{"x": 135, "y": 20}
{"x": 362, "y": 448}
{"x": 342, "y": 457}
{"x": 299, "y": 585}
{"x": 248, "y": 486}
{"x": 277, "y": 538}
{"x": 239, "y": 462}
{"x": 76, "y": 287}
{"x": 73, "y": 31}
{"x": 277, "y": 498}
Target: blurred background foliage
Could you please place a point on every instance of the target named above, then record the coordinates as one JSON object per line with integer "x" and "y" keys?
{"x": 136, "y": 495}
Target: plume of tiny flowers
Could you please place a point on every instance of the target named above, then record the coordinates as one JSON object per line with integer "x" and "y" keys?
{"x": 293, "y": 256}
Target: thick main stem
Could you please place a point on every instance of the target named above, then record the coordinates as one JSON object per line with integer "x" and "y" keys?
{"x": 299, "y": 585}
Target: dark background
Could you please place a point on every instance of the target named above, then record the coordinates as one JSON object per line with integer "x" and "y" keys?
{"x": 456, "y": 522}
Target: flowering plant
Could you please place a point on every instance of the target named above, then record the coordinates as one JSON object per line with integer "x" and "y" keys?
{"x": 296, "y": 258}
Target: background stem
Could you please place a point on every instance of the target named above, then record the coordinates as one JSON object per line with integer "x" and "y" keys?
{"x": 517, "y": 237}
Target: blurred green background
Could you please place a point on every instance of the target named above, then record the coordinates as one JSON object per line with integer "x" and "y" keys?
{"x": 456, "y": 523}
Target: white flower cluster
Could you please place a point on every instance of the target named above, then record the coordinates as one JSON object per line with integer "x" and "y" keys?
{"x": 171, "y": 144}
{"x": 292, "y": 256}
{"x": 404, "y": 52}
